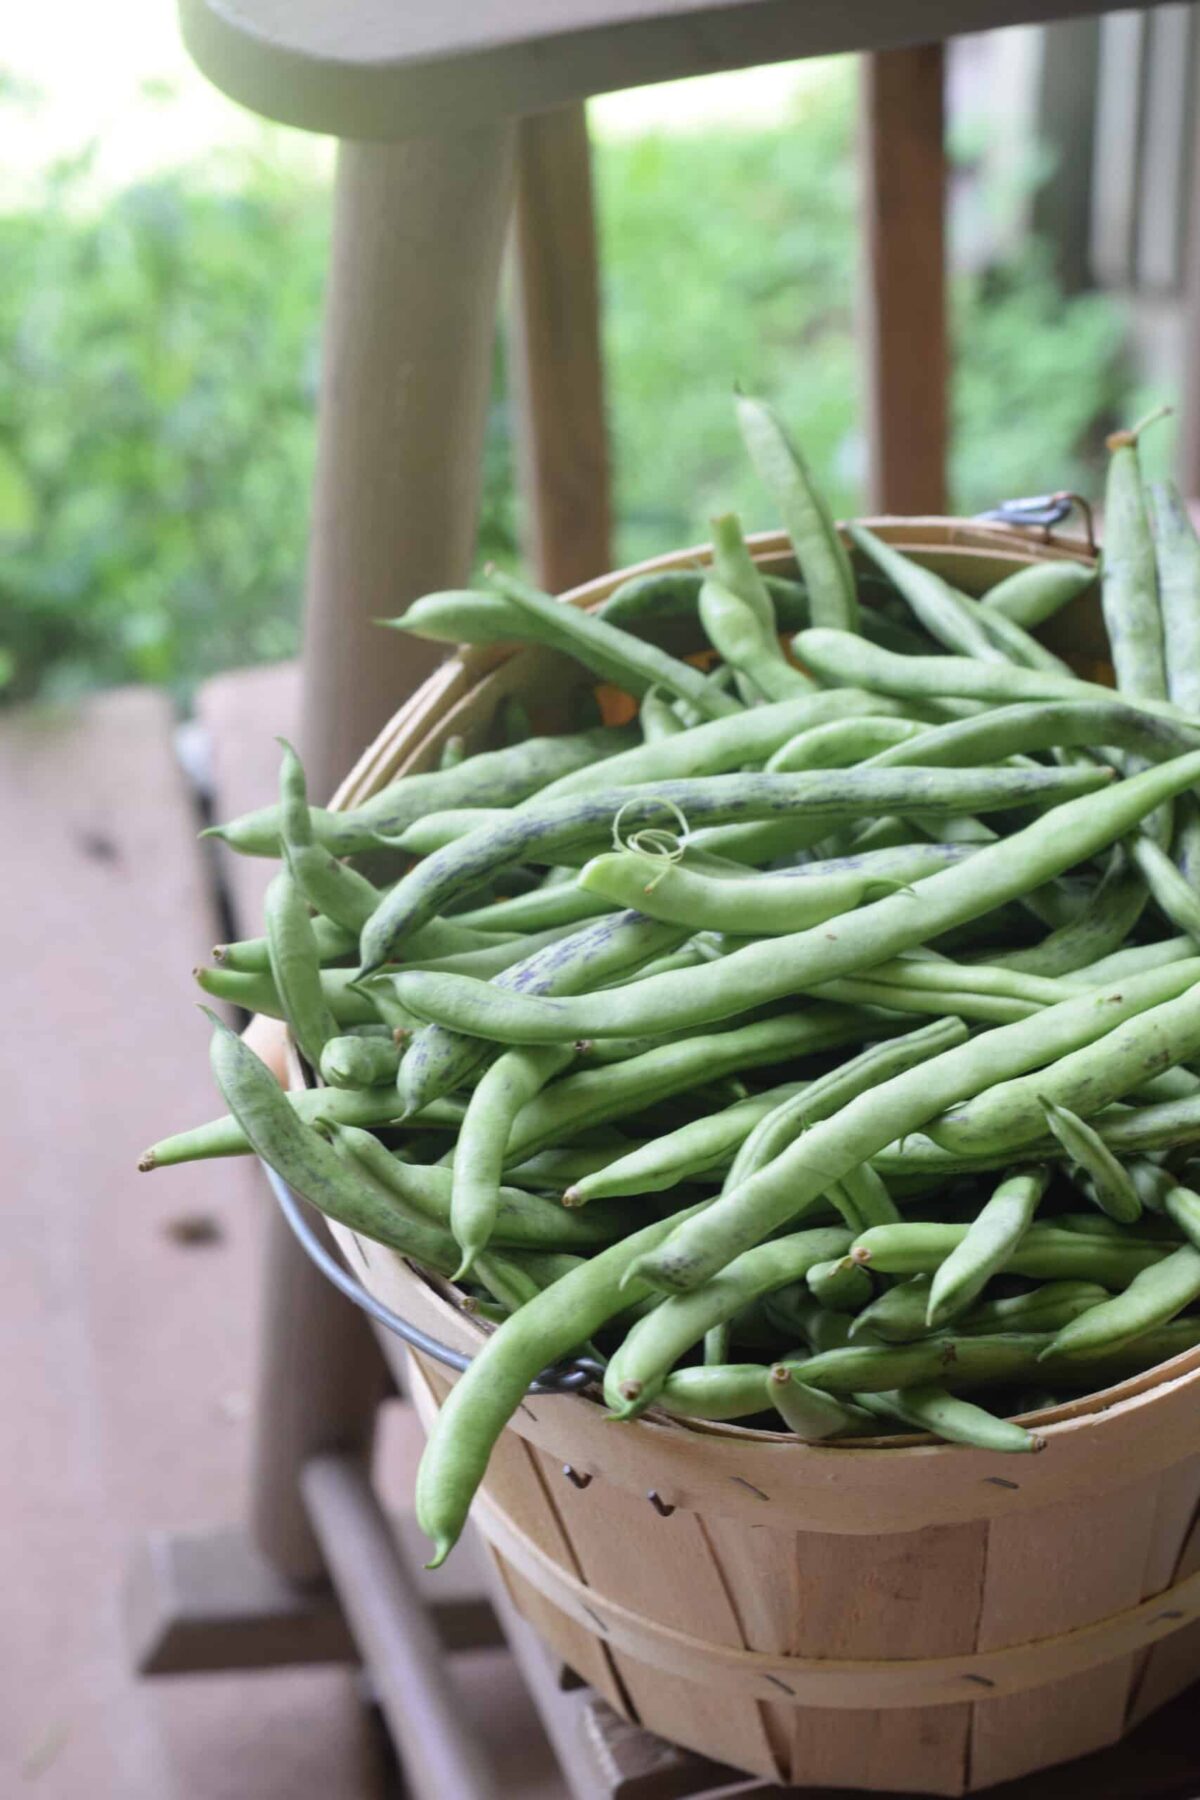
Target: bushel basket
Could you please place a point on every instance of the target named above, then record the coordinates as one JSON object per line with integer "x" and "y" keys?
{"x": 915, "y": 1617}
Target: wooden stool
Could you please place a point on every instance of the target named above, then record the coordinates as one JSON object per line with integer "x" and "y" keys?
{"x": 447, "y": 117}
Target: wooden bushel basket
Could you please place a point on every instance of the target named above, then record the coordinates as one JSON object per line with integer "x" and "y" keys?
{"x": 915, "y": 1618}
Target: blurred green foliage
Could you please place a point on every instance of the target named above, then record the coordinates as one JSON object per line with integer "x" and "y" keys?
{"x": 158, "y": 351}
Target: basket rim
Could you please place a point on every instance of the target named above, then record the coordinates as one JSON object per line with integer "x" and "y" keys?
{"x": 922, "y": 536}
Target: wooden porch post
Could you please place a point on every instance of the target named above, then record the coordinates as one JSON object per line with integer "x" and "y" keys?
{"x": 904, "y": 297}
{"x": 405, "y": 380}
{"x": 557, "y": 381}
{"x": 406, "y": 375}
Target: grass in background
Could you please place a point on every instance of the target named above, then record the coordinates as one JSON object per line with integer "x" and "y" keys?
{"x": 158, "y": 372}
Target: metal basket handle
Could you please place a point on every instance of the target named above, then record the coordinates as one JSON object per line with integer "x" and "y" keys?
{"x": 560, "y": 1378}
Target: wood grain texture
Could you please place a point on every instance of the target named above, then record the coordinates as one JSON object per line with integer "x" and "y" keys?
{"x": 1056, "y": 1570}
{"x": 123, "y": 1347}
{"x": 406, "y": 366}
{"x": 396, "y": 1637}
{"x": 1173, "y": 1665}
{"x": 906, "y": 1594}
{"x": 905, "y": 352}
{"x": 675, "y": 1576}
{"x": 557, "y": 379}
{"x": 361, "y": 70}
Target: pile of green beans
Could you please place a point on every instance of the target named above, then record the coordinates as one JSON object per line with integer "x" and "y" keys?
{"x": 822, "y": 1051}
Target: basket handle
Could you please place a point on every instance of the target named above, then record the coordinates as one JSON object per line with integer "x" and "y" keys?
{"x": 560, "y": 1378}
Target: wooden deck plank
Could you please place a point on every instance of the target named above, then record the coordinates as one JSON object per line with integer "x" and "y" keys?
{"x": 124, "y": 1354}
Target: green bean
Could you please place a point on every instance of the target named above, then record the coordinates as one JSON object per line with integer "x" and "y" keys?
{"x": 479, "y": 1405}
{"x": 330, "y": 887}
{"x": 941, "y": 975}
{"x": 1177, "y": 569}
{"x": 929, "y": 1407}
{"x": 347, "y": 1004}
{"x": 1181, "y": 1205}
{"x": 310, "y": 1166}
{"x": 1128, "y": 1131}
{"x": 809, "y": 1414}
{"x": 438, "y": 829}
{"x": 1134, "y": 961}
{"x": 1154, "y": 1296}
{"x": 358, "y": 1062}
{"x": 521, "y": 1220}
{"x": 897, "y": 1315}
{"x": 735, "y": 568}
{"x": 1170, "y": 889}
{"x": 821, "y": 1098}
{"x": 657, "y": 717}
{"x": 493, "y": 778}
{"x": 844, "y": 742}
{"x": 868, "y": 1193}
{"x": 721, "y": 746}
{"x": 463, "y": 616}
{"x": 691, "y": 1149}
{"x": 1086, "y": 1080}
{"x": 1116, "y": 1363}
{"x": 728, "y": 1391}
{"x": 1035, "y": 593}
{"x": 1046, "y": 1307}
{"x": 1097, "y": 1224}
{"x": 562, "y": 903}
{"x": 616, "y": 1090}
{"x": 296, "y": 966}
{"x": 837, "y": 657}
{"x": 366, "y": 1106}
{"x": 554, "y": 825}
{"x": 670, "y": 596}
{"x": 1045, "y": 1252}
{"x": 789, "y": 1185}
{"x": 611, "y": 653}
{"x": 776, "y": 903}
{"x": 1104, "y": 1179}
{"x": 1107, "y": 918}
{"x": 441, "y": 937}
{"x": 860, "y": 1369}
{"x": 963, "y": 1003}
{"x": 511, "y": 1082}
{"x": 1021, "y": 648}
{"x": 1128, "y": 580}
{"x": 1186, "y": 848}
{"x": 491, "y": 956}
{"x": 820, "y": 553}
{"x": 639, "y": 1367}
{"x": 1026, "y": 727}
{"x": 551, "y": 1171}
{"x": 249, "y": 956}
{"x": 745, "y": 643}
{"x": 840, "y": 1284}
{"x": 987, "y": 1247}
{"x": 940, "y": 608}
{"x": 438, "y": 1060}
{"x": 775, "y": 967}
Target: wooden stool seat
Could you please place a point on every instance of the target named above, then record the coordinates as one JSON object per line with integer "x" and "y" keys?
{"x": 369, "y": 69}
